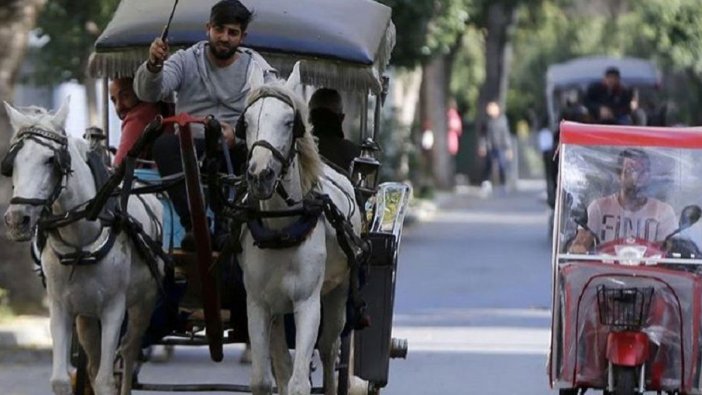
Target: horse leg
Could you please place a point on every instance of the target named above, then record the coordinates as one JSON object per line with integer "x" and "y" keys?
{"x": 111, "y": 320}
{"x": 139, "y": 318}
{"x": 282, "y": 363}
{"x": 89, "y": 336}
{"x": 307, "y": 316}
{"x": 259, "y": 333}
{"x": 334, "y": 318}
{"x": 61, "y": 327}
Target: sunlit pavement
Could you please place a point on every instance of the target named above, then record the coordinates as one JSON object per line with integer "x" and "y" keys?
{"x": 473, "y": 297}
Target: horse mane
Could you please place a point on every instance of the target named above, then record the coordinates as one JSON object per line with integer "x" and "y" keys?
{"x": 80, "y": 145}
{"x": 311, "y": 167}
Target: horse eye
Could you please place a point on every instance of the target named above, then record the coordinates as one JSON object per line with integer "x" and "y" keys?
{"x": 290, "y": 124}
{"x": 49, "y": 161}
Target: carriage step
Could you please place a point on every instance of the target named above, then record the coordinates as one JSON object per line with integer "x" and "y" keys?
{"x": 184, "y": 339}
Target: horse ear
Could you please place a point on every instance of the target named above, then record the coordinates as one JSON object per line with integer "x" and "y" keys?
{"x": 61, "y": 115}
{"x": 294, "y": 81}
{"x": 17, "y": 119}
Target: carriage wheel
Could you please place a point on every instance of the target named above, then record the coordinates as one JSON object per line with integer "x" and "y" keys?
{"x": 569, "y": 391}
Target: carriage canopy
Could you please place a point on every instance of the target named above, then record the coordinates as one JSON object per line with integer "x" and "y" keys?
{"x": 340, "y": 48}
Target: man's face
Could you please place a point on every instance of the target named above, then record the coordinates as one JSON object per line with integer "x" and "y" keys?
{"x": 611, "y": 80}
{"x": 224, "y": 39}
{"x": 634, "y": 174}
{"x": 123, "y": 97}
{"x": 492, "y": 109}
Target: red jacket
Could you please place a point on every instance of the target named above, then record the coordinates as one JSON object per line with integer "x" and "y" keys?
{"x": 132, "y": 127}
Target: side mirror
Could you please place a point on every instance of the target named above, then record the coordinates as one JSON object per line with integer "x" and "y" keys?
{"x": 690, "y": 215}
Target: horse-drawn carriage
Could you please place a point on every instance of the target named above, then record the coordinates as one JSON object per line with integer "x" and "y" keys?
{"x": 361, "y": 218}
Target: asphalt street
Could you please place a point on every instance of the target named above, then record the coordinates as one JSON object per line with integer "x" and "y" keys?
{"x": 473, "y": 296}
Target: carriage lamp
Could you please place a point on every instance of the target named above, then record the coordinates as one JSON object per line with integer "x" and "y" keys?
{"x": 365, "y": 168}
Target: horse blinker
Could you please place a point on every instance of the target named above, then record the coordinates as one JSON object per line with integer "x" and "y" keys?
{"x": 8, "y": 162}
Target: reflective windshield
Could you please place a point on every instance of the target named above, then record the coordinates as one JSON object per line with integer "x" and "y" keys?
{"x": 619, "y": 193}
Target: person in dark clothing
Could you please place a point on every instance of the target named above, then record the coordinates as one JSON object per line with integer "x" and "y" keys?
{"x": 609, "y": 101}
{"x": 496, "y": 147}
{"x": 326, "y": 116}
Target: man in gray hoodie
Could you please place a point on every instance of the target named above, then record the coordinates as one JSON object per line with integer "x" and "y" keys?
{"x": 210, "y": 77}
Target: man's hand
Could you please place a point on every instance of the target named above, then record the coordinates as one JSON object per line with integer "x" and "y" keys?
{"x": 583, "y": 239}
{"x": 228, "y": 135}
{"x": 577, "y": 249}
{"x": 482, "y": 151}
{"x": 606, "y": 113}
{"x": 509, "y": 155}
{"x": 158, "y": 53}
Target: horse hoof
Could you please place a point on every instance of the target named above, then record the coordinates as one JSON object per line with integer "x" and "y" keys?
{"x": 62, "y": 388}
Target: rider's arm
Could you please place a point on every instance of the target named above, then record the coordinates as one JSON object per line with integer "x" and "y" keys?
{"x": 158, "y": 85}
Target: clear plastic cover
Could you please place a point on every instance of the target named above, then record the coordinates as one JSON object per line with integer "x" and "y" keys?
{"x": 626, "y": 258}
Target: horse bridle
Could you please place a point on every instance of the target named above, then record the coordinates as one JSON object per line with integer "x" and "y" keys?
{"x": 298, "y": 131}
{"x": 61, "y": 160}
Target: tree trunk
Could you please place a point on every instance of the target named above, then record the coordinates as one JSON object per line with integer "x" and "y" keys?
{"x": 17, "y": 18}
{"x": 501, "y": 19}
{"x": 435, "y": 100}
{"x": 405, "y": 98}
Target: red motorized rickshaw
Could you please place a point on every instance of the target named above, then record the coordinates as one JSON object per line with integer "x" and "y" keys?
{"x": 626, "y": 277}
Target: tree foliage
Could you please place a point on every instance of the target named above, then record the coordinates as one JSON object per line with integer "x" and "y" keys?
{"x": 426, "y": 27}
{"x": 71, "y": 26}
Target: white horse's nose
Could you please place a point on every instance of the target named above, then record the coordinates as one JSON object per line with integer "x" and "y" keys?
{"x": 265, "y": 175}
{"x": 16, "y": 218}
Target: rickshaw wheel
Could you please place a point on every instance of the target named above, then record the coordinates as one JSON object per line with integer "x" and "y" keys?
{"x": 625, "y": 380}
{"x": 569, "y": 391}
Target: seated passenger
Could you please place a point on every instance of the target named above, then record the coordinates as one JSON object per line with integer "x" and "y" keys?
{"x": 326, "y": 116}
{"x": 609, "y": 101}
{"x": 629, "y": 212}
{"x": 135, "y": 115}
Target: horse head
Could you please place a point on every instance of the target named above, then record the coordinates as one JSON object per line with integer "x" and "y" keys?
{"x": 37, "y": 161}
{"x": 274, "y": 126}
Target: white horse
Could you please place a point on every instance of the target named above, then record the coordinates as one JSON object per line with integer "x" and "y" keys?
{"x": 97, "y": 294}
{"x": 304, "y": 279}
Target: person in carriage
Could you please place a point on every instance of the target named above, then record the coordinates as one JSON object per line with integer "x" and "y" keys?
{"x": 628, "y": 212}
{"x": 609, "y": 101}
{"x": 134, "y": 114}
{"x": 326, "y": 114}
{"x": 211, "y": 77}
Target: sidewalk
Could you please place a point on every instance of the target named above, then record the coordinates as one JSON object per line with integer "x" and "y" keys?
{"x": 423, "y": 209}
{"x": 25, "y": 332}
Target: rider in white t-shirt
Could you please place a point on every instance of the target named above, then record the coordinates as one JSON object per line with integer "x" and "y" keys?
{"x": 627, "y": 213}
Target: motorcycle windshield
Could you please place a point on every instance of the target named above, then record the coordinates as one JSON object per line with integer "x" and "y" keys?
{"x": 627, "y": 253}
